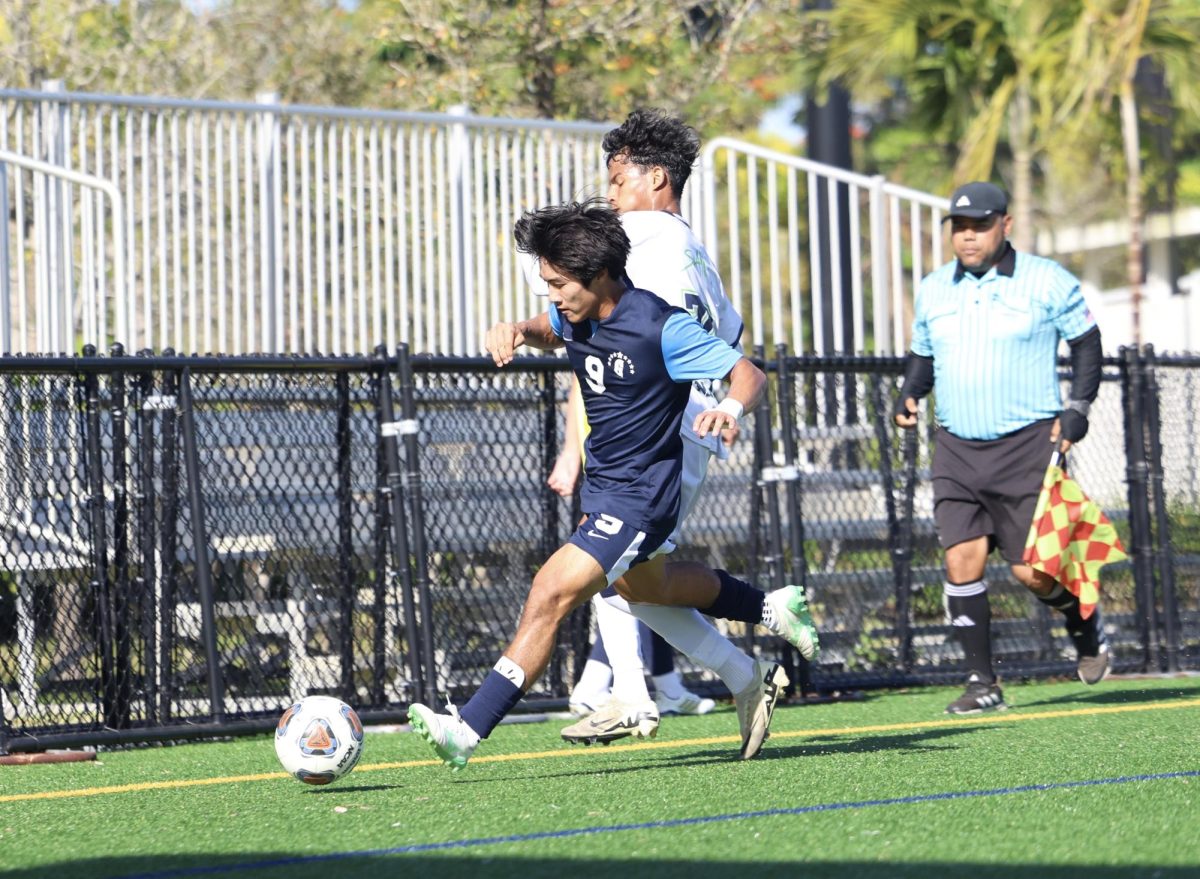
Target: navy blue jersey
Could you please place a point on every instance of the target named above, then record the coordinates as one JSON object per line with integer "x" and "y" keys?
{"x": 635, "y": 368}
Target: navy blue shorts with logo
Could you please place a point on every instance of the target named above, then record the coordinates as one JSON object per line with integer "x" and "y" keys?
{"x": 617, "y": 546}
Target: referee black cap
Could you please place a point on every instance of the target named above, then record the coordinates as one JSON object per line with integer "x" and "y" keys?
{"x": 978, "y": 200}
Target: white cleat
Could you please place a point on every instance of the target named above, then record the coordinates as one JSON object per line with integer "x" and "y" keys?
{"x": 756, "y": 706}
{"x": 614, "y": 721}
{"x": 685, "y": 703}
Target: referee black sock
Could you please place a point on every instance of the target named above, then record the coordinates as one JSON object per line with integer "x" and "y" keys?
{"x": 1066, "y": 604}
{"x": 971, "y": 616}
{"x": 1085, "y": 634}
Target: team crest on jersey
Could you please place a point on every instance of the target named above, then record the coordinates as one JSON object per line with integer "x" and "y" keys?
{"x": 620, "y": 364}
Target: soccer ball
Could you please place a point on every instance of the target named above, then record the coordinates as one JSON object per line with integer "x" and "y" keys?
{"x": 319, "y": 739}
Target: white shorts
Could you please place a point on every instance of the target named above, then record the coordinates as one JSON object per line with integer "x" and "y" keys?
{"x": 695, "y": 469}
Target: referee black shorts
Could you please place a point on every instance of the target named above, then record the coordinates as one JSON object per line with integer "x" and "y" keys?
{"x": 990, "y": 487}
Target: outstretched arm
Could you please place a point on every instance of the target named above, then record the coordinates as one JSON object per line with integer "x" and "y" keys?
{"x": 504, "y": 337}
{"x": 746, "y": 383}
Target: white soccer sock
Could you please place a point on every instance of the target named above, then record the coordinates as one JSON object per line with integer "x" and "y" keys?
{"x": 623, "y": 645}
{"x": 669, "y": 685}
{"x": 594, "y": 684}
{"x": 690, "y": 633}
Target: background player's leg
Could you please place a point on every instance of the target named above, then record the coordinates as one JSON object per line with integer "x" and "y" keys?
{"x": 595, "y": 682}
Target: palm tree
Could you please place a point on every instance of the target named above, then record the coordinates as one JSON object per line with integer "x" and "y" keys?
{"x": 977, "y": 70}
{"x": 1112, "y": 38}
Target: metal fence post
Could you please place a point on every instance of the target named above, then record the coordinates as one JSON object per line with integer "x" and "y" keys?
{"x": 168, "y": 567}
{"x": 789, "y": 475}
{"x": 379, "y": 608}
{"x": 204, "y": 583}
{"x": 793, "y": 488}
{"x": 144, "y": 413}
{"x": 1139, "y": 513}
{"x": 100, "y": 586}
{"x": 392, "y": 489}
{"x": 345, "y": 537}
{"x": 122, "y": 602}
{"x": 1162, "y": 522}
{"x": 412, "y": 490}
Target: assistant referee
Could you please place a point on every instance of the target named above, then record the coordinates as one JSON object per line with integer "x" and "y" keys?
{"x": 986, "y": 332}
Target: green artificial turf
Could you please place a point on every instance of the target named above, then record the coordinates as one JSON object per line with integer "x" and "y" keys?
{"x": 838, "y": 761}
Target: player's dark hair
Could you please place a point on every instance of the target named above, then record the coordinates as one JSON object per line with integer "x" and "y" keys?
{"x": 580, "y": 239}
{"x": 650, "y": 137}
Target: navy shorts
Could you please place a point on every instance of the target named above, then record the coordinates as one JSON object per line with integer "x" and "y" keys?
{"x": 990, "y": 487}
{"x": 617, "y": 546}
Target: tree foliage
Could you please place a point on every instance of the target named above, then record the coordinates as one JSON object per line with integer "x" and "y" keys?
{"x": 585, "y": 59}
{"x": 1022, "y": 90}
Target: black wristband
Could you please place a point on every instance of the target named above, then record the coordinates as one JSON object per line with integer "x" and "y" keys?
{"x": 1074, "y": 425}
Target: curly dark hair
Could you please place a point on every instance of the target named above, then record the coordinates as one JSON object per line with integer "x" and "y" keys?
{"x": 581, "y": 239}
{"x": 650, "y": 137}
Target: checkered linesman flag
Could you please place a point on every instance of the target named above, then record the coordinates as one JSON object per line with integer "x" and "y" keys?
{"x": 1070, "y": 538}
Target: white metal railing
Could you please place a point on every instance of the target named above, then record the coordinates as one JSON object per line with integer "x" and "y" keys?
{"x": 62, "y": 256}
{"x": 273, "y": 228}
{"x": 759, "y": 212}
{"x": 270, "y": 228}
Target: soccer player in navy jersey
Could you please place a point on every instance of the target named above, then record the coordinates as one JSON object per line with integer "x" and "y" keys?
{"x": 636, "y": 358}
{"x": 649, "y": 158}
{"x": 986, "y": 332}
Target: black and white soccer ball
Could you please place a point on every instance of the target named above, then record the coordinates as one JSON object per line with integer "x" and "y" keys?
{"x": 319, "y": 739}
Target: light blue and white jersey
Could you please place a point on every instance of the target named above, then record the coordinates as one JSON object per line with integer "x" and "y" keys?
{"x": 994, "y": 341}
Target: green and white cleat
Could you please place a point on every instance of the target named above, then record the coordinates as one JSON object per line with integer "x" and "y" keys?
{"x": 449, "y": 734}
{"x": 786, "y": 614}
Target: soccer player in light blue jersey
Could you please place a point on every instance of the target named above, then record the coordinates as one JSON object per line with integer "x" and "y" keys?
{"x": 986, "y": 332}
{"x": 636, "y": 358}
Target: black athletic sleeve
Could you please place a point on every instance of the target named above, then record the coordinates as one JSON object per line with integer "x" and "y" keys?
{"x": 1087, "y": 354}
{"x": 918, "y": 380}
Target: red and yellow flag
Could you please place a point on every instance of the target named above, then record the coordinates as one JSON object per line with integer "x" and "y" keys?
{"x": 1071, "y": 539}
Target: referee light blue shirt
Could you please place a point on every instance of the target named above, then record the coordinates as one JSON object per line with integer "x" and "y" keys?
{"x": 994, "y": 341}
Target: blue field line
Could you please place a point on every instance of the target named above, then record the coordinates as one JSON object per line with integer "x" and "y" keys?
{"x": 655, "y": 825}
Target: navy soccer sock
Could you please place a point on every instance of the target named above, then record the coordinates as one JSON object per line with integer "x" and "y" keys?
{"x": 496, "y": 696}
{"x": 737, "y": 600}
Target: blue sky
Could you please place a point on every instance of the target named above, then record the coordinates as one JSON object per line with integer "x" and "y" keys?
{"x": 779, "y": 120}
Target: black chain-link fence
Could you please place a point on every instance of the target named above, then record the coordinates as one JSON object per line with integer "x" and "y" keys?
{"x": 189, "y": 544}
{"x": 871, "y": 560}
